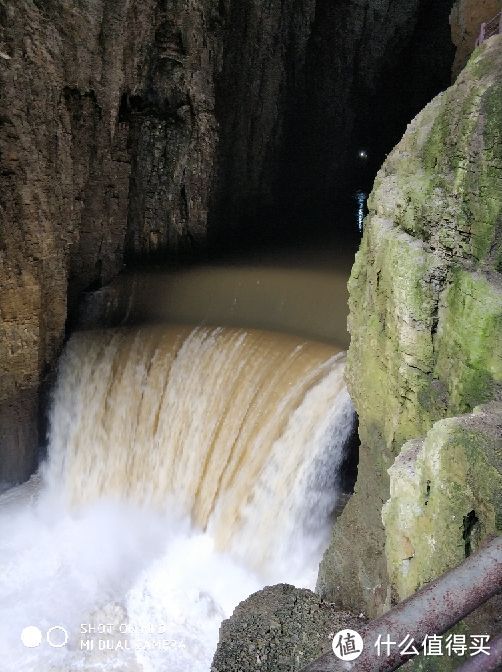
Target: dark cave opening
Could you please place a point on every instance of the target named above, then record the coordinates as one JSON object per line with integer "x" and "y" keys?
{"x": 349, "y": 467}
{"x": 363, "y": 76}
{"x": 469, "y": 527}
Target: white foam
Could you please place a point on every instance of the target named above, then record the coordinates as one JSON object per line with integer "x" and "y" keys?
{"x": 153, "y": 433}
{"x": 64, "y": 569}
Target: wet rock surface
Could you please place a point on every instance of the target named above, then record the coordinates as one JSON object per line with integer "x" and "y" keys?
{"x": 106, "y": 142}
{"x": 425, "y": 302}
{"x": 445, "y": 497}
{"x": 279, "y": 628}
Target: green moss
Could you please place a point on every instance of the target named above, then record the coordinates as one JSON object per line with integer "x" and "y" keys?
{"x": 485, "y": 60}
{"x": 456, "y": 181}
{"x": 485, "y": 211}
{"x": 426, "y": 318}
{"x": 446, "y": 496}
{"x": 431, "y": 186}
{"x": 469, "y": 346}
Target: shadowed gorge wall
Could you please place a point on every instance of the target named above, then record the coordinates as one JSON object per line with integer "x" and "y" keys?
{"x": 129, "y": 129}
{"x": 106, "y": 140}
{"x": 466, "y": 19}
{"x": 317, "y": 81}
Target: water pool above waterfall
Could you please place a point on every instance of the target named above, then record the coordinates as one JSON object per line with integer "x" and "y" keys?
{"x": 186, "y": 469}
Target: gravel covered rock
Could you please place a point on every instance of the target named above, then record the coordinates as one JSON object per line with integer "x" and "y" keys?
{"x": 278, "y": 629}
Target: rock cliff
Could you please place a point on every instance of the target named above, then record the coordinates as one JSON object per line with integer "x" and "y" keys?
{"x": 107, "y": 137}
{"x": 466, "y": 19}
{"x": 445, "y": 497}
{"x": 426, "y": 324}
{"x": 130, "y": 128}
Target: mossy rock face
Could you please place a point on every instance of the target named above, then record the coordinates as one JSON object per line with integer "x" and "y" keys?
{"x": 442, "y": 183}
{"x": 445, "y": 497}
{"x": 470, "y": 336}
{"x": 425, "y": 309}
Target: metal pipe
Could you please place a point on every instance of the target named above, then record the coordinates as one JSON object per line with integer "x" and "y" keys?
{"x": 481, "y": 38}
{"x": 489, "y": 29}
{"x": 434, "y": 609}
{"x": 482, "y": 663}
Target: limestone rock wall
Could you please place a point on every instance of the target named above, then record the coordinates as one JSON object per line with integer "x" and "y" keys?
{"x": 107, "y": 139}
{"x": 466, "y": 19}
{"x": 445, "y": 497}
{"x": 425, "y": 311}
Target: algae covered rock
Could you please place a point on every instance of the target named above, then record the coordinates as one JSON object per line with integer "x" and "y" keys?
{"x": 278, "y": 629}
{"x": 469, "y": 339}
{"x": 425, "y": 316}
{"x": 445, "y": 497}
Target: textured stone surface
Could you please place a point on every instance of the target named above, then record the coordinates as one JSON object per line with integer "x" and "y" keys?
{"x": 445, "y": 500}
{"x": 445, "y": 497}
{"x": 106, "y": 144}
{"x": 466, "y": 19}
{"x": 278, "y": 629}
{"x": 128, "y": 127}
{"x": 425, "y": 307}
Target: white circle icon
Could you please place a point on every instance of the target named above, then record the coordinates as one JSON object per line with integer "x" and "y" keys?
{"x": 57, "y": 637}
{"x": 31, "y": 636}
{"x": 347, "y": 644}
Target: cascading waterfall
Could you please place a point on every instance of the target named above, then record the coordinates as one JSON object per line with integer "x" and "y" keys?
{"x": 186, "y": 469}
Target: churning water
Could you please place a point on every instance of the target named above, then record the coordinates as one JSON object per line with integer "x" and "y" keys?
{"x": 187, "y": 468}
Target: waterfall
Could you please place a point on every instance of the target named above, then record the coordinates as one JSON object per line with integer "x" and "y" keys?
{"x": 186, "y": 468}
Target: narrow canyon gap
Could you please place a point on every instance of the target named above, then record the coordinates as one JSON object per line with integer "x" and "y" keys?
{"x": 183, "y": 187}
{"x": 173, "y": 124}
